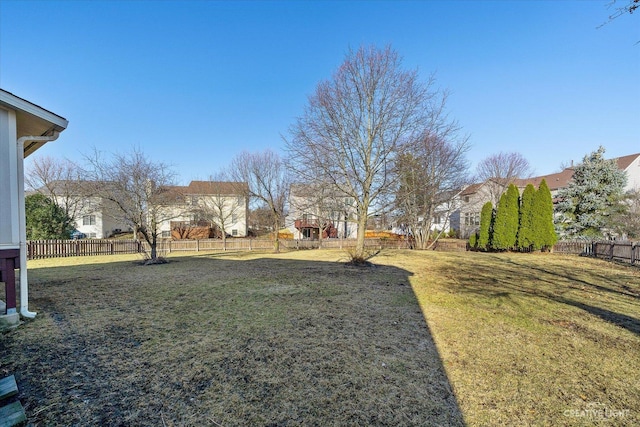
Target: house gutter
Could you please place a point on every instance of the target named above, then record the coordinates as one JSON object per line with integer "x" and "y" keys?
{"x": 24, "y": 286}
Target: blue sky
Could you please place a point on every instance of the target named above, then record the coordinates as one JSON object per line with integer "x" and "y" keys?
{"x": 193, "y": 83}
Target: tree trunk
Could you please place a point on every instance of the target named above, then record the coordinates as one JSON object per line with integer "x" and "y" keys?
{"x": 276, "y": 239}
{"x": 362, "y": 229}
{"x": 154, "y": 247}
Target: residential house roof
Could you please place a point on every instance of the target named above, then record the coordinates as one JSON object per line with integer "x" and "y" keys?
{"x": 554, "y": 181}
{"x": 625, "y": 161}
{"x": 471, "y": 189}
{"x": 211, "y": 187}
{"x": 32, "y": 120}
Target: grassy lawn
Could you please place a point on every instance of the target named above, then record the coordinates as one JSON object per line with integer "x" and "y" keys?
{"x": 422, "y": 338}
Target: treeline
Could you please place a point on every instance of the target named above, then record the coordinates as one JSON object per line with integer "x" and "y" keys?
{"x": 517, "y": 223}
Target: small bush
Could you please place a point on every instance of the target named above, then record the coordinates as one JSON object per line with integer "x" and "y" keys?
{"x": 473, "y": 241}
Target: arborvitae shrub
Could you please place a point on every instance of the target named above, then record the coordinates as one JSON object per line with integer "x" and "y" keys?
{"x": 525, "y": 229}
{"x": 544, "y": 231}
{"x": 486, "y": 219}
{"x": 505, "y": 228}
{"x": 473, "y": 240}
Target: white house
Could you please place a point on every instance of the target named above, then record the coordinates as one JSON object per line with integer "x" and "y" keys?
{"x": 93, "y": 215}
{"x": 312, "y": 211}
{"x": 224, "y": 205}
{"x": 24, "y": 127}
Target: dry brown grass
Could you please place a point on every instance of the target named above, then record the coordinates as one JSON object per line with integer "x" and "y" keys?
{"x": 301, "y": 339}
{"x": 244, "y": 339}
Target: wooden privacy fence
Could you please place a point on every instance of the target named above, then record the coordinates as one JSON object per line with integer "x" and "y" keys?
{"x": 617, "y": 251}
{"x": 38, "y": 249}
{"x": 612, "y": 250}
{"x": 65, "y": 248}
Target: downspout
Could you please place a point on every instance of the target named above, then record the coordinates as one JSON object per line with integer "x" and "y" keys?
{"x": 24, "y": 287}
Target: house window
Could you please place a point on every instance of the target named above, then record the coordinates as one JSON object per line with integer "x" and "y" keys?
{"x": 91, "y": 235}
{"x": 234, "y": 218}
{"x": 472, "y": 218}
{"x": 89, "y": 220}
{"x": 234, "y": 232}
{"x": 166, "y": 234}
{"x": 466, "y": 199}
{"x": 437, "y": 219}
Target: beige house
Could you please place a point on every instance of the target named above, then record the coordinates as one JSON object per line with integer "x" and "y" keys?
{"x": 24, "y": 127}
{"x": 210, "y": 204}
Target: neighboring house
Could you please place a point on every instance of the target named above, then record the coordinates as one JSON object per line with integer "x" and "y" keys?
{"x": 472, "y": 199}
{"x": 93, "y": 215}
{"x": 476, "y": 195}
{"x": 312, "y": 212}
{"x": 209, "y": 206}
{"x": 446, "y": 216}
{"x": 631, "y": 165}
{"x": 24, "y": 128}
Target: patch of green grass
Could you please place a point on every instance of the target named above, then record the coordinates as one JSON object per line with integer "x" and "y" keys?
{"x": 535, "y": 339}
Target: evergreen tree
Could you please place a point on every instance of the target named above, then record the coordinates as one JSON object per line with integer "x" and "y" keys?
{"x": 486, "y": 219}
{"x": 505, "y": 227}
{"x": 45, "y": 219}
{"x": 543, "y": 228}
{"x": 594, "y": 193}
{"x": 526, "y": 230}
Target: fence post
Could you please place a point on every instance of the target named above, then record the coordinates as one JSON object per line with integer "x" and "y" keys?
{"x": 633, "y": 252}
{"x": 197, "y": 245}
{"x": 611, "y": 246}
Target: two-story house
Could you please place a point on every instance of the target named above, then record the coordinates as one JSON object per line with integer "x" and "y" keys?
{"x": 206, "y": 208}
{"x": 476, "y": 195}
{"x": 320, "y": 213}
{"x": 93, "y": 215}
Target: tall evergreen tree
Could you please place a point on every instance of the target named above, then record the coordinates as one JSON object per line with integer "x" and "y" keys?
{"x": 544, "y": 231}
{"x": 486, "y": 219}
{"x": 594, "y": 193}
{"x": 505, "y": 227}
{"x": 45, "y": 219}
{"x": 525, "y": 229}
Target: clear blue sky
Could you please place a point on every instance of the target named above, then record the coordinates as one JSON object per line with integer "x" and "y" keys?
{"x": 193, "y": 83}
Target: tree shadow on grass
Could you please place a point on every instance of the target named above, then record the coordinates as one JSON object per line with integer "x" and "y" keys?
{"x": 206, "y": 340}
{"x": 501, "y": 277}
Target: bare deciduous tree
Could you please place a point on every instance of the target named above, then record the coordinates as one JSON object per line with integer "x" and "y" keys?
{"x": 268, "y": 183}
{"x": 141, "y": 190}
{"x": 432, "y": 171}
{"x": 224, "y": 201}
{"x": 61, "y": 181}
{"x": 500, "y": 170}
{"x": 351, "y": 128}
{"x": 328, "y": 209}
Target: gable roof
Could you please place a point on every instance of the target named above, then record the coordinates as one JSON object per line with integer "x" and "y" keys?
{"x": 471, "y": 189}
{"x": 212, "y": 188}
{"x": 625, "y": 161}
{"x": 554, "y": 180}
